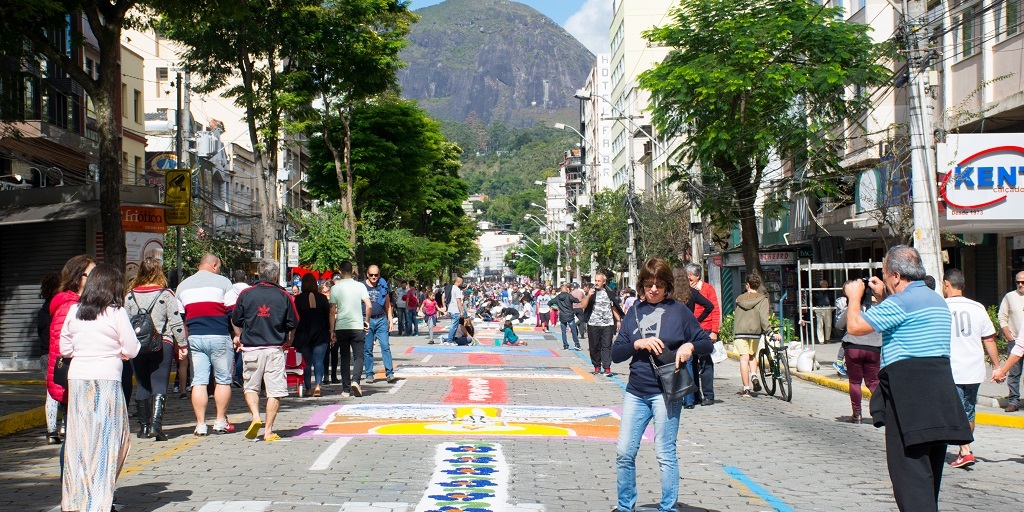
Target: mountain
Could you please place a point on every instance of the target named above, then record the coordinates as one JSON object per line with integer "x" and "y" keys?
{"x": 498, "y": 59}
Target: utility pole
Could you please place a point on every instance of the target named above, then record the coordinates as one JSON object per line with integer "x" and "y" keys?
{"x": 922, "y": 140}
{"x": 178, "y": 142}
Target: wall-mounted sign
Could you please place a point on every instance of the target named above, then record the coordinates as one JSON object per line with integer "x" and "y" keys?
{"x": 736, "y": 259}
{"x": 140, "y": 219}
{"x": 178, "y": 195}
{"x": 982, "y": 176}
{"x": 164, "y": 162}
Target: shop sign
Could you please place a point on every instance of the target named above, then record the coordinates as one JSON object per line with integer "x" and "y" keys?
{"x": 717, "y": 260}
{"x": 139, "y": 219}
{"x": 982, "y": 176}
{"x": 766, "y": 258}
{"x": 1018, "y": 243}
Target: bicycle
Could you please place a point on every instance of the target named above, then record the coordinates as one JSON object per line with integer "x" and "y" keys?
{"x": 773, "y": 365}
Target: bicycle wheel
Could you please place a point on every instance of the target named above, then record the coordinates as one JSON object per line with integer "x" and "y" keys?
{"x": 765, "y": 367}
{"x": 783, "y": 376}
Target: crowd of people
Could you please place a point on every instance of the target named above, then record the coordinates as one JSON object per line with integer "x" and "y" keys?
{"x": 922, "y": 357}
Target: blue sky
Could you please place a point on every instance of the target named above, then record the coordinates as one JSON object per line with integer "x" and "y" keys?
{"x": 587, "y": 20}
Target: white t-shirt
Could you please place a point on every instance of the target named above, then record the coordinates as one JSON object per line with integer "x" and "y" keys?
{"x": 970, "y": 324}
{"x": 453, "y": 306}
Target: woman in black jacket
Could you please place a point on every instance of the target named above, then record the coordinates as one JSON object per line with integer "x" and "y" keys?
{"x": 313, "y": 334}
{"x": 660, "y": 330}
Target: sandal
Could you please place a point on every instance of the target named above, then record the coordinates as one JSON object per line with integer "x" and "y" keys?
{"x": 316, "y": 391}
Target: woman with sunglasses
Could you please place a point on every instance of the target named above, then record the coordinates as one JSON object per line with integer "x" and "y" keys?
{"x": 98, "y": 336}
{"x": 72, "y": 280}
{"x": 658, "y": 330}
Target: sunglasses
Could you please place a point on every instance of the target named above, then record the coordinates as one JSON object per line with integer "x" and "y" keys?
{"x": 1020, "y": 282}
{"x": 372, "y": 275}
{"x": 651, "y": 284}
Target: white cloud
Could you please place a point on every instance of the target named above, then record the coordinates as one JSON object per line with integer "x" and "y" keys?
{"x": 590, "y": 25}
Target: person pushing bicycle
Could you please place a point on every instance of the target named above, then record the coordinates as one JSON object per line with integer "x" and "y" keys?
{"x": 750, "y": 321}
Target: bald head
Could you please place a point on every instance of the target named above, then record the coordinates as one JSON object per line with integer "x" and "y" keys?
{"x": 209, "y": 263}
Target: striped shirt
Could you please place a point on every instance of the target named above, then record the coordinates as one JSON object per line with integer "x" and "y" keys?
{"x": 202, "y": 297}
{"x": 914, "y": 323}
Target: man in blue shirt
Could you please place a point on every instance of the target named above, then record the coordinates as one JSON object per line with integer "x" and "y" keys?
{"x": 380, "y": 324}
{"x": 916, "y": 397}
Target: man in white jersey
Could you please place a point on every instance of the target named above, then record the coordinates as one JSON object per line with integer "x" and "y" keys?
{"x": 971, "y": 330}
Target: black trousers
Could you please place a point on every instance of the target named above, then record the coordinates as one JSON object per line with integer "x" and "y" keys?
{"x": 704, "y": 367}
{"x": 915, "y": 472}
{"x": 153, "y": 371}
{"x": 600, "y": 339}
{"x": 352, "y": 343}
{"x": 331, "y": 360}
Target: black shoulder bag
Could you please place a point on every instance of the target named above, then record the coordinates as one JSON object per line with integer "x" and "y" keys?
{"x": 676, "y": 383}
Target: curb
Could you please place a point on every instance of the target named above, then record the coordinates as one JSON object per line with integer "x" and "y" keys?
{"x": 980, "y": 418}
{"x": 25, "y": 420}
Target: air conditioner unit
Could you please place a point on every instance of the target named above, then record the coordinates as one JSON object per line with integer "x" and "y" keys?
{"x": 258, "y": 253}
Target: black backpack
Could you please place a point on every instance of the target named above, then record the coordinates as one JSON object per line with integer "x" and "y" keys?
{"x": 142, "y": 322}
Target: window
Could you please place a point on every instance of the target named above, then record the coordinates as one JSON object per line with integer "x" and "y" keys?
{"x": 968, "y": 21}
{"x": 1012, "y": 17}
{"x": 161, "y": 81}
{"x": 137, "y": 106}
{"x": 124, "y": 100}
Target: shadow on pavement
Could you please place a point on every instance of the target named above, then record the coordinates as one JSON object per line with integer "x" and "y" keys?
{"x": 149, "y": 496}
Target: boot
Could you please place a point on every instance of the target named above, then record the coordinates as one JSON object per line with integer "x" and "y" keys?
{"x": 156, "y": 426}
{"x": 142, "y": 409}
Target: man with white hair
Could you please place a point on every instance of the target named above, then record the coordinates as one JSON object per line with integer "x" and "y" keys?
{"x": 916, "y": 398}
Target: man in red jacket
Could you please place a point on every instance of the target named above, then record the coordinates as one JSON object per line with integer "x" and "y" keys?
{"x": 704, "y": 366}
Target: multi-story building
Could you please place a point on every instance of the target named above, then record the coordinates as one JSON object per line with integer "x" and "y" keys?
{"x": 133, "y": 118}
{"x": 596, "y": 126}
{"x": 631, "y": 55}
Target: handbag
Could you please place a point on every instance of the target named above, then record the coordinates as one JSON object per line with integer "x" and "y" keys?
{"x": 60, "y": 371}
{"x": 718, "y": 354}
{"x": 676, "y": 383}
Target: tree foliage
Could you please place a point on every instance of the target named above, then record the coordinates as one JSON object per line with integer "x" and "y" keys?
{"x": 749, "y": 79}
{"x": 324, "y": 242}
{"x": 402, "y": 168}
{"x": 603, "y": 229}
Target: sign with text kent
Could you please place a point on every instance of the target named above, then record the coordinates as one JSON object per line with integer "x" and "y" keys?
{"x": 981, "y": 176}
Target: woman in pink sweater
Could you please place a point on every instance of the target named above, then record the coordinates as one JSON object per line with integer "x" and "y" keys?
{"x": 98, "y": 336}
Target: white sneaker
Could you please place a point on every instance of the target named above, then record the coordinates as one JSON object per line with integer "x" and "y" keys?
{"x": 200, "y": 430}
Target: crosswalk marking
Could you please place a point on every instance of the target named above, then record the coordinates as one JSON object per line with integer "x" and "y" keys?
{"x": 325, "y": 459}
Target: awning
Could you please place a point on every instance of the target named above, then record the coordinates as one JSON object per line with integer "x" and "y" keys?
{"x": 48, "y": 212}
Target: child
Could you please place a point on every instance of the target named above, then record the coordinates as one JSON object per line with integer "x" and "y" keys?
{"x": 510, "y": 337}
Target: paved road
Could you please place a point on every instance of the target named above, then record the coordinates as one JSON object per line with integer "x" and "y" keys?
{"x": 524, "y": 429}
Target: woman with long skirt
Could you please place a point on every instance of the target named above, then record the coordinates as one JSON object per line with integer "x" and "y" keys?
{"x": 98, "y": 336}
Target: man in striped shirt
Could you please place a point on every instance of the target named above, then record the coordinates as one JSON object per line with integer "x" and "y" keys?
{"x": 917, "y": 398}
{"x": 208, "y": 327}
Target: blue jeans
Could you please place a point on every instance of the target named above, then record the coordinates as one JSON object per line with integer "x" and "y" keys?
{"x": 412, "y": 323}
{"x": 314, "y": 358}
{"x": 637, "y": 413}
{"x": 690, "y": 399}
{"x": 575, "y": 333}
{"x": 455, "y": 326}
{"x": 211, "y": 351}
{"x": 378, "y": 331}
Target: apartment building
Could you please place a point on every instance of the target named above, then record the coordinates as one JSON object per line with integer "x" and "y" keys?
{"x": 596, "y": 126}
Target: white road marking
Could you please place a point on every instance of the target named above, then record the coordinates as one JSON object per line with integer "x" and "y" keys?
{"x": 425, "y": 359}
{"x": 324, "y": 460}
{"x": 394, "y": 389}
{"x": 235, "y": 506}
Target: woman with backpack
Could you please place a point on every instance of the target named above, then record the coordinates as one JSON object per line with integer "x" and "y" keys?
{"x": 150, "y": 296}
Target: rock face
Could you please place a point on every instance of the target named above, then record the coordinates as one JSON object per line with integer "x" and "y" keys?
{"x": 495, "y": 58}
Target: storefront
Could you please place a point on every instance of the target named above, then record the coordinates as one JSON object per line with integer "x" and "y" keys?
{"x": 40, "y": 229}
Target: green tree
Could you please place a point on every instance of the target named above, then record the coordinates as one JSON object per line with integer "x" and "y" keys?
{"x": 349, "y": 54}
{"x": 749, "y": 79}
{"x": 663, "y": 229}
{"x": 197, "y": 241}
{"x": 35, "y": 33}
{"x": 245, "y": 49}
{"x": 603, "y": 228}
{"x": 324, "y": 241}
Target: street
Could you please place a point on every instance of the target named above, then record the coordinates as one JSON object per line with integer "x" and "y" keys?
{"x": 512, "y": 429}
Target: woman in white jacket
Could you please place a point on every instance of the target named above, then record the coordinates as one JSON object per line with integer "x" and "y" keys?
{"x": 98, "y": 336}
